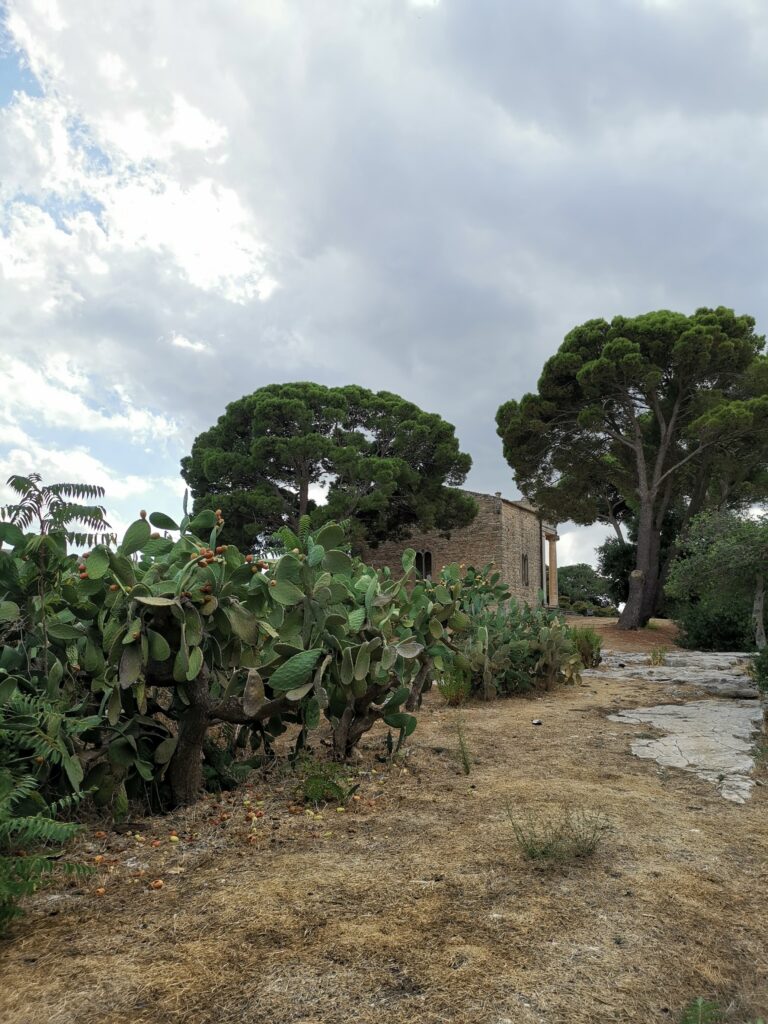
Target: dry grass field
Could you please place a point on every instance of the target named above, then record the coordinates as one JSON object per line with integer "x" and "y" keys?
{"x": 416, "y": 904}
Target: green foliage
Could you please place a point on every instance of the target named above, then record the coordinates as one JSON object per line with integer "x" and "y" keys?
{"x": 713, "y": 623}
{"x": 645, "y": 415}
{"x": 390, "y": 465}
{"x": 758, "y": 669}
{"x": 722, "y": 567}
{"x": 454, "y": 687}
{"x": 702, "y": 1011}
{"x": 501, "y": 646}
{"x": 29, "y": 841}
{"x": 115, "y": 666}
{"x": 588, "y": 645}
{"x": 615, "y": 561}
{"x": 580, "y": 582}
{"x": 559, "y": 838}
{"x": 55, "y": 508}
{"x": 94, "y": 664}
{"x": 323, "y": 781}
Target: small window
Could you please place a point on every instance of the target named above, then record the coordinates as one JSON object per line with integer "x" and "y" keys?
{"x": 424, "y": 564}
{"x": 525, "y": 571}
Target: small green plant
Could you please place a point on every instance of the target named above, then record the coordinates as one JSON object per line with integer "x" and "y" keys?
{"x": 561, "y": 838}
{"x": 659, "y": 656}
{"x": 465, "y": 755}
{"x": 588, "y": 646}
{"x": 702, "y": 1011}
{"x": 455, "y": 688}
{"x": 324, "y": 781}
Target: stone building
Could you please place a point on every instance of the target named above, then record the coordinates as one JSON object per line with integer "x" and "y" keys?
{"x": 511, "y": 534}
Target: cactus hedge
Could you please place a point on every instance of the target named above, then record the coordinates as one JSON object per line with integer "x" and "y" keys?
{"x": 115, "y": 665}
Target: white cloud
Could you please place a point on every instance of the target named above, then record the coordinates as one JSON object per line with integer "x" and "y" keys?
{"x": 55, "y": 395}
{"x": 194, "y": 346}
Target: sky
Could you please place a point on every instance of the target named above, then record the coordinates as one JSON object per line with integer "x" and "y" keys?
{"x": 423, "y": 196}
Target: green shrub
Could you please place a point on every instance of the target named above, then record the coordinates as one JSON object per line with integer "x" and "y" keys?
{"x": 323, "y": 781}
{"x": 26, "y": 823}
{"x": 454, "y": 687}
{"x": 566, "y": 836}
{"x": 588, "y": 646}
{"x": 714, "y": 625}
{"x": 758, "y": 669}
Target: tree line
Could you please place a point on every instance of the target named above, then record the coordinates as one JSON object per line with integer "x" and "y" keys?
{"x": 641, "y": 423}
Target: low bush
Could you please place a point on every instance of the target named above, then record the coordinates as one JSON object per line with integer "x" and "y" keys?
{"x": 565, "y": 836}
{"x": 324, "y": 781}
{"x": 658, "y": 656}
{"x": 714, "y": 625}
{"x": 588, "y": 646}
{"x": 454, "y": 687}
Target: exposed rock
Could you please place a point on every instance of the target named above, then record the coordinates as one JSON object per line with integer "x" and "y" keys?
{"x": 711, "y": 738}
{"x": 722, "y": 675}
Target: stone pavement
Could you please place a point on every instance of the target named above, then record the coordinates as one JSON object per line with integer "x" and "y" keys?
{"x": 714, "y": 739}
{"x": 723, "y": 675}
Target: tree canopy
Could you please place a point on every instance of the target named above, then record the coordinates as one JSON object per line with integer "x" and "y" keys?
{"x": 388, "y": 466}
{"x": 640, "y": 415}
{"x": 580, "y": 582}
{"x": 724, "y": 560}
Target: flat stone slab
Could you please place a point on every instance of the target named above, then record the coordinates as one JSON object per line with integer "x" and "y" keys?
{"x": 711, "y": 738}
{"x": 722, "y": 675}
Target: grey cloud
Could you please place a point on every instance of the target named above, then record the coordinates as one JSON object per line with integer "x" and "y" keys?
{"x": 444, "y": 192}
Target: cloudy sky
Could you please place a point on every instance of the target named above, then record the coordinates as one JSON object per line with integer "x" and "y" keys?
{"x": 200, "y": 198}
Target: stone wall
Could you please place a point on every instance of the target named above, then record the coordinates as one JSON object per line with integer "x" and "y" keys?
{"x": 522, "y": 535}
{"x": 500, "y": 533}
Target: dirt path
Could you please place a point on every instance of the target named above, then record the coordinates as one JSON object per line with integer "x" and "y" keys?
{"x": 416, "y": 905}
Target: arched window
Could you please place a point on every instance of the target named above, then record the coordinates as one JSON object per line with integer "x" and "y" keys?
{"x": 525, "y": 571}
{"x": 424, "y": 564}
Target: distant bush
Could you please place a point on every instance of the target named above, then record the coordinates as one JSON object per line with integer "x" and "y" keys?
{"x": 599, "y": 611}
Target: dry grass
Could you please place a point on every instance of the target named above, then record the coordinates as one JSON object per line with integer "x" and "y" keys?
{"x": 414, "y": 905}
{"x": 658, "y": 633}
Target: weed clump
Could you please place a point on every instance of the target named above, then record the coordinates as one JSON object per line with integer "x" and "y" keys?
{"x": 659, "y": 656}
{"x": 567, "y": 836}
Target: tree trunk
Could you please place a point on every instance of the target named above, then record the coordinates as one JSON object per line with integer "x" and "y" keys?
{"x": 418, "y": 687}
{"x": 758, "y": 607}
{"x": 303, "y": 496}
{"x": 644, "y": 576}
{"x": 185, "y": 772}
{"x": 653, "y": 579}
